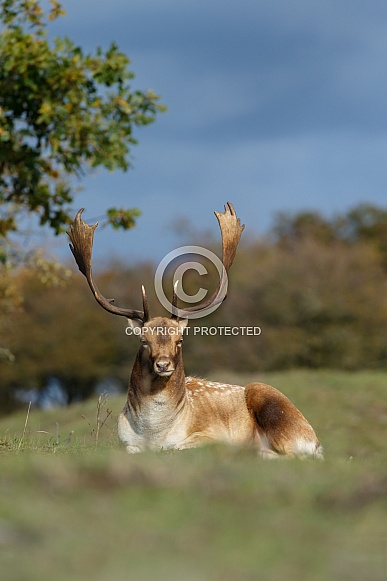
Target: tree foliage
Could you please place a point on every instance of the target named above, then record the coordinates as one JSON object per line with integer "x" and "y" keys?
{"x": 57, "y": 335}
{"x": 62, "y": 113}
{"x": 363, "y": 223}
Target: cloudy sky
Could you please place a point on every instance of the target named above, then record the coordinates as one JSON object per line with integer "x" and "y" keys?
{"x": 275, "y": 105}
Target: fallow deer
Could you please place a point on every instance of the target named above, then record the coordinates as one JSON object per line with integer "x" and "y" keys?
{"x": 167, "y": 410}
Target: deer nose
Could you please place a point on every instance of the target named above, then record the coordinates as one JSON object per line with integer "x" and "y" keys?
{"x": 162, "y": 366}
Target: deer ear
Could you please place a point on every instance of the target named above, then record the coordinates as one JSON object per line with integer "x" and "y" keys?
{"x": 182, "y": 324}
{"x": 135, "y": 323}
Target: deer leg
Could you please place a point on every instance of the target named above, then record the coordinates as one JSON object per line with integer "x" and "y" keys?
{"x": 281, "y": 429}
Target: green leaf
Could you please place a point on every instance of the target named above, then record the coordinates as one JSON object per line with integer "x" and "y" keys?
{"x": 121, "y": 218}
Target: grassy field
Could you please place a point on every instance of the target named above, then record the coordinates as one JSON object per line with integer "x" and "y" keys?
{"x": 72, "y": 508}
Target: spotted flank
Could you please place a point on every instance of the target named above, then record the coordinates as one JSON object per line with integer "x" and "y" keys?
{"x": 197, "y": 387}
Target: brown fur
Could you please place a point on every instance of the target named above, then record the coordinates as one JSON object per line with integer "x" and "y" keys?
{"x": 278, "y": 419}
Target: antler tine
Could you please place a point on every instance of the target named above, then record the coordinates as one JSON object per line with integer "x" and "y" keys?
{"x": 174, "y": 301}
{"x": 231, "y": 230}
{"x": 82, "y": 237}
{"x": 145, "y": 305}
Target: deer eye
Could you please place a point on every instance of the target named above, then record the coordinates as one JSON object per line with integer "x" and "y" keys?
{"x": 144, "y": 343}
{"x": 179, "y": 343}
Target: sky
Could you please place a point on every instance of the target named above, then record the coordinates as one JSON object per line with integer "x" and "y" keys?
{"x": 276, "y": 105}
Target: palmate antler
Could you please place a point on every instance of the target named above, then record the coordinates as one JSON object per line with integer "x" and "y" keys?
{"x": 231, "y": 230}
{"x": 82, "y": 237}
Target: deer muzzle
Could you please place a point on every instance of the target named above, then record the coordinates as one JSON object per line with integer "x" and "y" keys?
{"x": 163, "y": 367}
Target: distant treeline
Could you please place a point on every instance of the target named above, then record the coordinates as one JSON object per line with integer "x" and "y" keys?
{"x": 316, "y": 287}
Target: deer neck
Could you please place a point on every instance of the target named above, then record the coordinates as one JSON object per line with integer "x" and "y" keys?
{"x": 163, "y": 398}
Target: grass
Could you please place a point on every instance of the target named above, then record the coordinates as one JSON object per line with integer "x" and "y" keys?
{"x": 78, "y": 507}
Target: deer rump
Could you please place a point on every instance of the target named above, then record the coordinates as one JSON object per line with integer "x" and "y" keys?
{"x": 167, "y": 410}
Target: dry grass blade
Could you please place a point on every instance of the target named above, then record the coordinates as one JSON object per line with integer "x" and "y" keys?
{"x": 25, "y": 426}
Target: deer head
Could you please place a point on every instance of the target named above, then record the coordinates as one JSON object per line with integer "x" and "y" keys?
{"x": 160, "y": 344}
{"x": 161, "y": 338}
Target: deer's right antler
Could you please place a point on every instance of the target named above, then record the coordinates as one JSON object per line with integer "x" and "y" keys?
{"x": 82, "y": 236}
